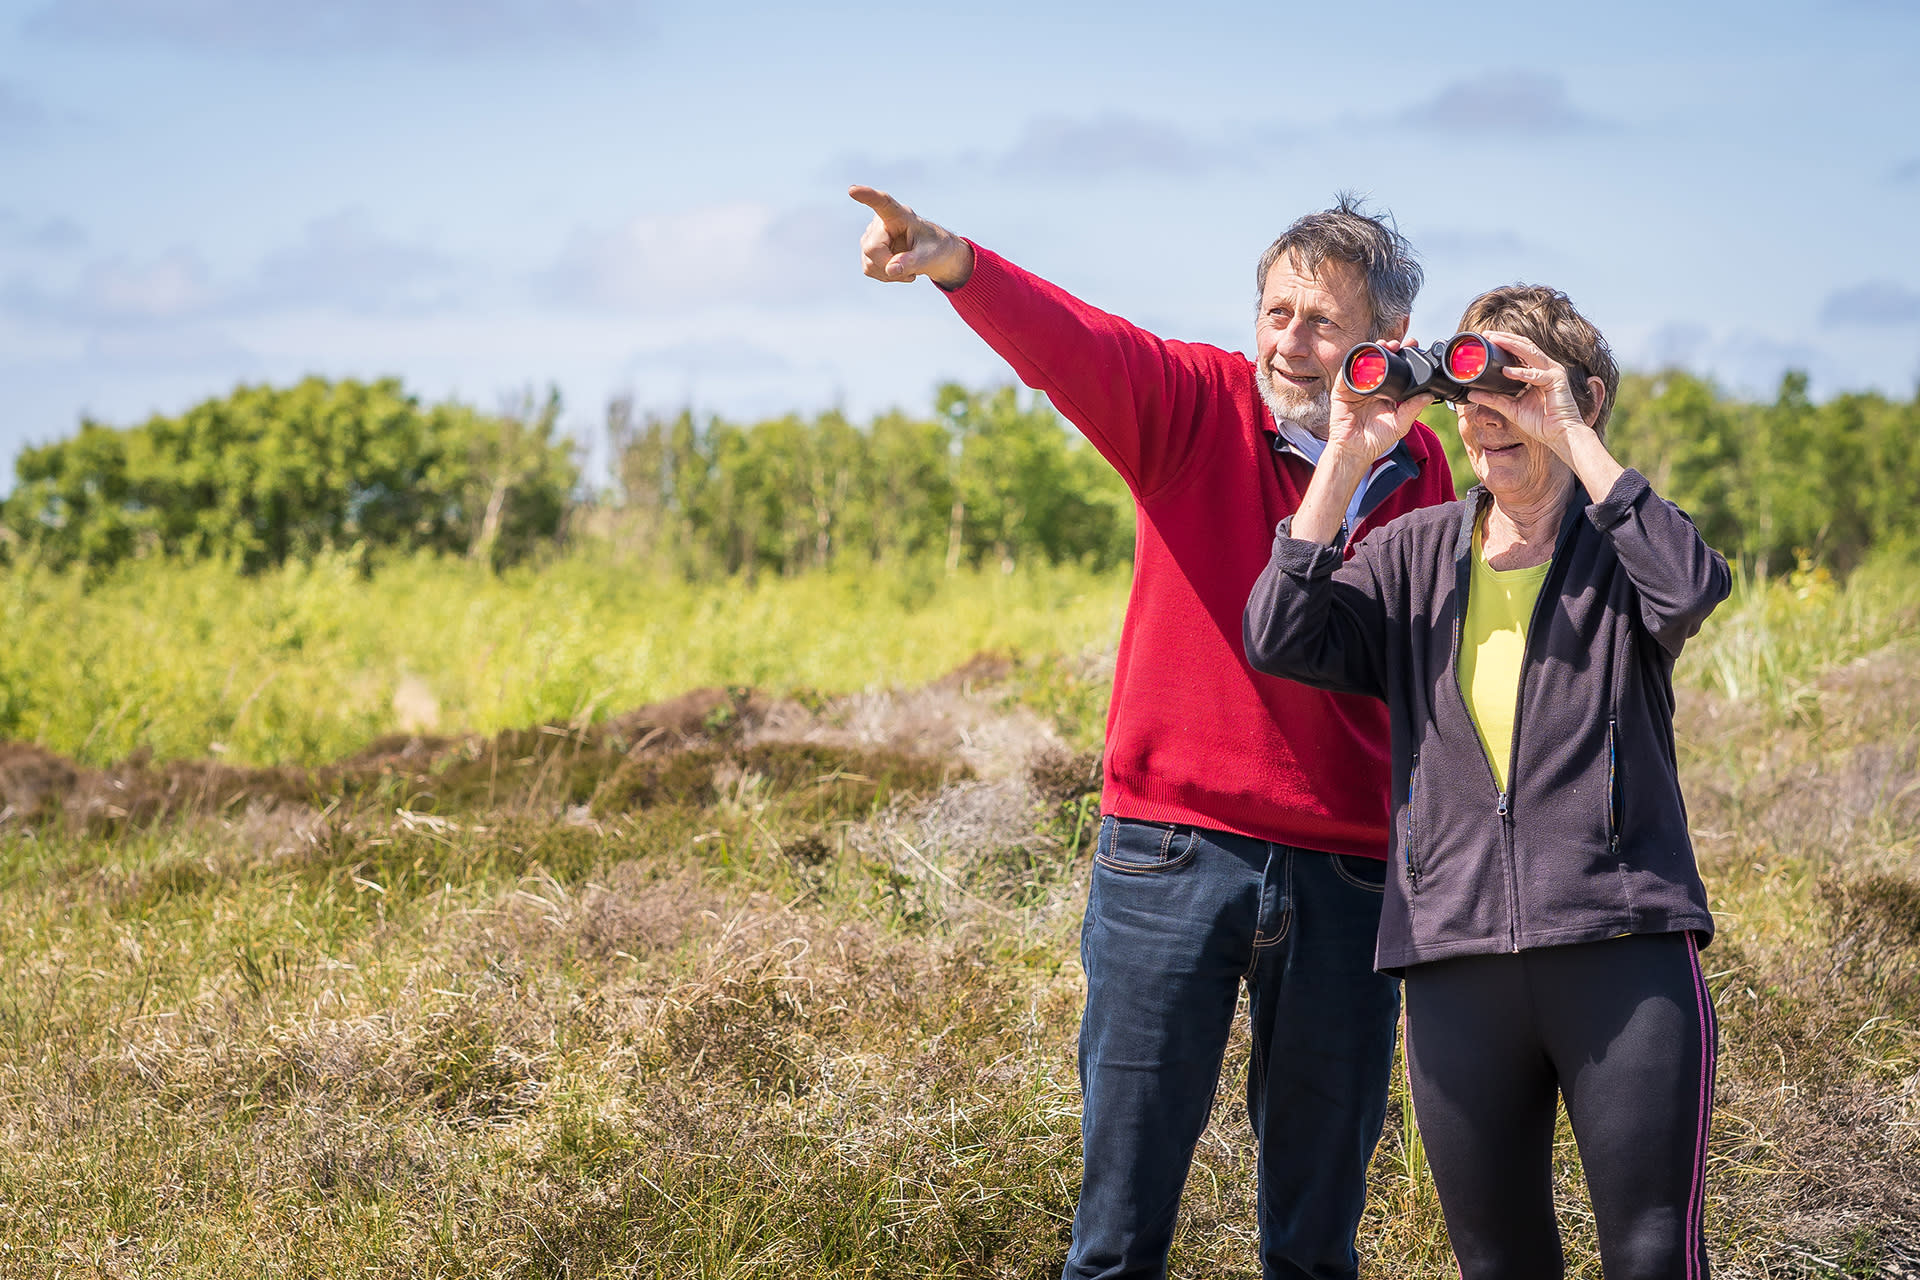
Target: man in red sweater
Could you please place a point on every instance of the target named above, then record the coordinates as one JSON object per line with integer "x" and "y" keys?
{"x": 1245, "y": 818}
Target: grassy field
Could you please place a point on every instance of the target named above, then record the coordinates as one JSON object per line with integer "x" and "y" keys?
{"x": 309, "y": 663}
{"x": 768, "y": 981}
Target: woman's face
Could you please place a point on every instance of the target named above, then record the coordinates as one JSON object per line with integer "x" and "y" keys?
{"x": 1516, "y": 469}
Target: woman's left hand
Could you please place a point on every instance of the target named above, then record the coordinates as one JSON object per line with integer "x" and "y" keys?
{"x": 1546, "y": 410}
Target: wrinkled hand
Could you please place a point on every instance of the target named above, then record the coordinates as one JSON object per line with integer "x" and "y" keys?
{"x": 1367, "y": 426}
{"x": 899, "y": 245}
{"x": 1546, "y": 411}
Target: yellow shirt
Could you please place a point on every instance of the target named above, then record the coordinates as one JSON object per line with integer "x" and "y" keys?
{"x": 1493, "y": 643}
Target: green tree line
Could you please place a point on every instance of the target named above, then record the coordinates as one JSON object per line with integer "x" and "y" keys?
{"x": 992, "y": 478}
{"x": 1776, "y": 482}
{"x": 1771, "y": 484}
{"x": 264, "y": 474}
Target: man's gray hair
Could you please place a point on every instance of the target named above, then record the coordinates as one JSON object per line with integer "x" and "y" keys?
{"x": 1349, "y": 233}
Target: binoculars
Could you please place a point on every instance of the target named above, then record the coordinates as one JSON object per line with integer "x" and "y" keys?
{"x": 1446, "y": 370}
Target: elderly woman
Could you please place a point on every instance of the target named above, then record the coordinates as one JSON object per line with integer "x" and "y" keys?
{"x": 1542, "y": 903}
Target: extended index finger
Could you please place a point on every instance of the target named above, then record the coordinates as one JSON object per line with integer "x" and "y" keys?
{"x": 893, "y": 215}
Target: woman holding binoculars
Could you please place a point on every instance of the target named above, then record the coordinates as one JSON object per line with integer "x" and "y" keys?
{"x": 1542, "y": 902}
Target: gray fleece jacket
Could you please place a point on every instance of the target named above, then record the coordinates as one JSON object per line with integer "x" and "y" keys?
{"x": 1590, "y": 838}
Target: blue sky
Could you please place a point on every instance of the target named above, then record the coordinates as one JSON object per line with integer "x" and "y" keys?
{"x": 647, "y": 196}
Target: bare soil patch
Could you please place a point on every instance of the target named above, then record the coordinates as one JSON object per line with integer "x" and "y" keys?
{"x": 856, "y": 751}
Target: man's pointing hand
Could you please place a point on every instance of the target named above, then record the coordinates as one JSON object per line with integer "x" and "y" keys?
{"x": 900, "y": 245}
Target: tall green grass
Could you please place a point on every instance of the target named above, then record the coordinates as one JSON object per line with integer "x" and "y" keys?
{"x": 1775, "y": 637}
{"x": 310, "y": 662}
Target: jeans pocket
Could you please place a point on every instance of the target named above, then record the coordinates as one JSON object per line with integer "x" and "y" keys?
{"x": 1143, "y": 848}
{"x": 1362, "y": 873}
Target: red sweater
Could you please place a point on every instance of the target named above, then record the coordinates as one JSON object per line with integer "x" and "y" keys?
{"x": 1195, "y": 735}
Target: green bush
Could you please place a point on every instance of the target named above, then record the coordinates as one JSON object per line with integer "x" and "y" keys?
{"x": 995, "y": 478}
{"x": 1775, "y": 484}
{"x": 266, "y": 475}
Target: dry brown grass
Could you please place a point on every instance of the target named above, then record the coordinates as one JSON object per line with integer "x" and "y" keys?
{"x": 1807, "y": 820}
{"x": 732, "y": 988}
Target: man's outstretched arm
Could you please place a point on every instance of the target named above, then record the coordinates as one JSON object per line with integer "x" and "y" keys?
{"x": 1140, "y": 400}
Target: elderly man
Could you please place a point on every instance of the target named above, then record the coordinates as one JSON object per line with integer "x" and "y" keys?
{"x": 1245, "y": 818}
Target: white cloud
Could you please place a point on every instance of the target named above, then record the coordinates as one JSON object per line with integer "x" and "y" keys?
{"x": 164, "y": 289}
{"x": 1874, "y": 305}
{"x": 1680, "y": 345}
{"x": 1464, "y": 243}
{"x": 340, "y": 264}
{"x": 1745, "y": 361}
{"x": 1106, "y": 146}
{"x": 700, "y": 258}
{"x": 120, "y": 290}
{"x": 1502, "y": 102}
{"x": 709, "y": 355}
{"x": 340, "y": 26}
{"x": 342, "y": 261}
{"x": 20, "y": 116}
{"x": 169, "y": 348}
{"x": 51, "y": 235}
{"x": 895, "y": 173}
{"x": 1074, "y": 148}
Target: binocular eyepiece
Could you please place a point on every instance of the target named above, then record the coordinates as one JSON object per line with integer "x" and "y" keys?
{"x": 1446, "y": 370}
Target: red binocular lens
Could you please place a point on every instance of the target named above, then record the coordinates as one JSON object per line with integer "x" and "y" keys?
{"x": 1466, "y": 357}
{"x": 1367, "y": 370}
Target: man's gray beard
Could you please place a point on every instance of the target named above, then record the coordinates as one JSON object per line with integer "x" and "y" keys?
{"x": 1310, "y": 413}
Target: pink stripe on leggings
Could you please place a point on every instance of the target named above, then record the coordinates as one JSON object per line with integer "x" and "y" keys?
{"x": 1709, "y": 1054}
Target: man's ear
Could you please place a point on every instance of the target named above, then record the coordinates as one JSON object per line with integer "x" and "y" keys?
{"x": 1598, "y": 390}
{"x": 1395, "y": 331}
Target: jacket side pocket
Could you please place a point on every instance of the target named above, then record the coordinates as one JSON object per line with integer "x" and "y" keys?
{"x": 1411, "y": 829}
{"x": 1613, "y": 788}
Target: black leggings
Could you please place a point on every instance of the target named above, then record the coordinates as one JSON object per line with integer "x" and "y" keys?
{"x": 1624, "y": 1031}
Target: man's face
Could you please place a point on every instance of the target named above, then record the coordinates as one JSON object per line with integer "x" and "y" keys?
{"x": 1308, "y": 322}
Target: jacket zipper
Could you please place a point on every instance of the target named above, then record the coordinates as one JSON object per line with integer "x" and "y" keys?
{"x": 1513, "y": 868}
{"x": 1463, "y": 579}
{"x": 1513, "y": 762}
{"x": 1504, "y": 809}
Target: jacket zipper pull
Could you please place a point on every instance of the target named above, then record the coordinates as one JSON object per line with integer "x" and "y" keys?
{"x": 1506, "y": 822}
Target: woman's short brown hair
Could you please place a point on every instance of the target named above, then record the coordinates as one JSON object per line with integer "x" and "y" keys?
{"x": 1548, "y": 318}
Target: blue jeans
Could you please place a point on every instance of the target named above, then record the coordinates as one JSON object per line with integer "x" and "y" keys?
{"x": 1176, "y": 919}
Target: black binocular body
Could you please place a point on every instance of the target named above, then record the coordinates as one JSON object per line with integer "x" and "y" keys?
{"x": 1446, "y": 370}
